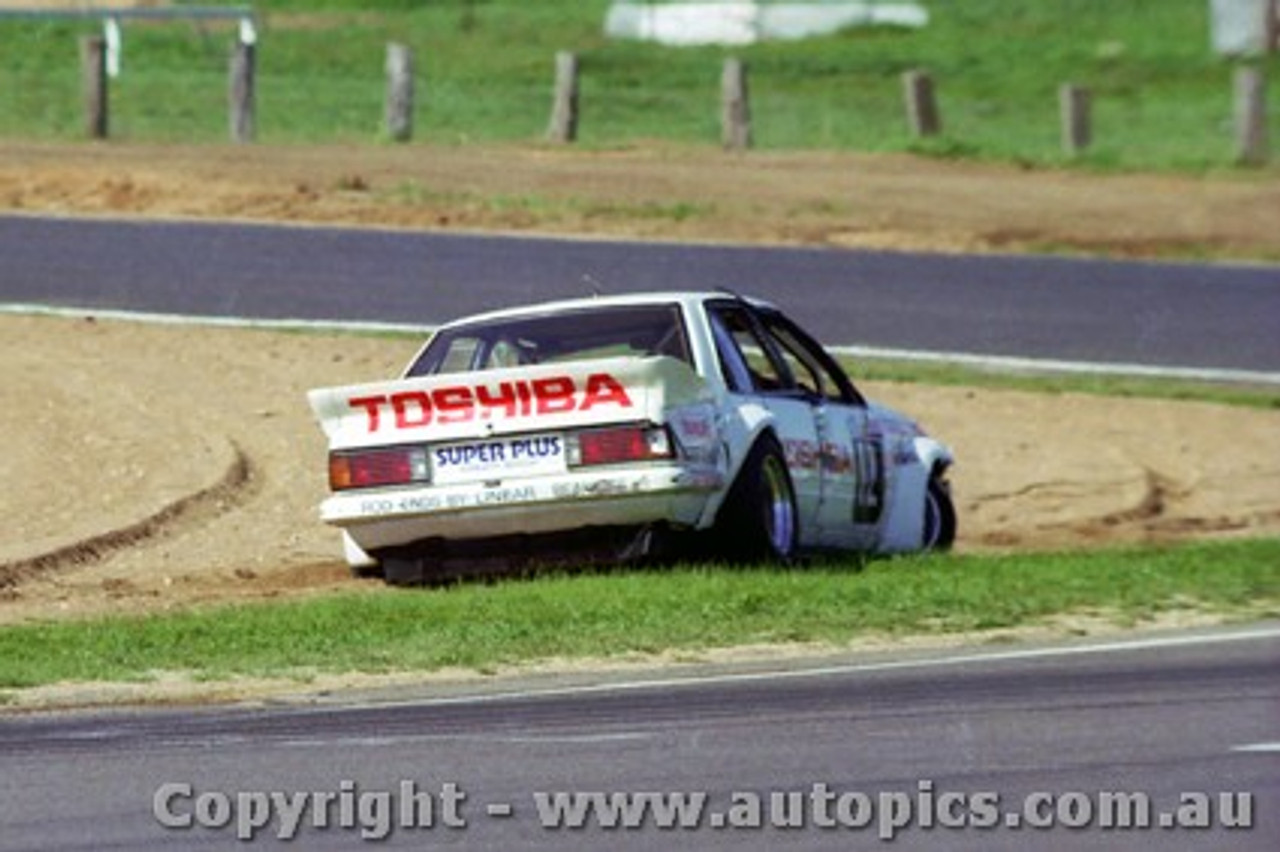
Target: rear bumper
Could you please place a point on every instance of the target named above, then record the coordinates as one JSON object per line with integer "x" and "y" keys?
{"x": 381, "y": 520}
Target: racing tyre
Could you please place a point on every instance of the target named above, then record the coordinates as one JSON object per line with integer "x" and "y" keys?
{"x": 758, "y": 521}
{"x": 939, "y": 515}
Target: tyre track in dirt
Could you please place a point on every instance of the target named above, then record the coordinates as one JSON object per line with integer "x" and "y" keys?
{"x": 233, "y": 488}
{"x": 1067, "y": 471}
{"x": 171, "y": 466}
{"x": 83, "y": 447}
{"x": 1157, "y": 514}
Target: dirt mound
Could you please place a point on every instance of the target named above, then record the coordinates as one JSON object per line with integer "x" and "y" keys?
{"x": 163, "y": 466}
{"x": 94, "y": 483}
{"x": 166, "y": 466}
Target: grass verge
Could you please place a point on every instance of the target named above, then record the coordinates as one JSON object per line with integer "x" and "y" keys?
{"x": 484, "y": 73}
{"x": 483, "y": 626}
{"x": 915, "y": 372}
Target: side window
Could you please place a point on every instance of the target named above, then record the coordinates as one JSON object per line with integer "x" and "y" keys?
{"x": 807, "y": 378}
{"x": 809, "y": 363}
{"x": 744, "y": 357}
{"x": 732, "y": 365}
{"x": 460, "y": 356}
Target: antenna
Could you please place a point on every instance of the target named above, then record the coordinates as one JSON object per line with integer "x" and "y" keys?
{"x": 590, "y": 281}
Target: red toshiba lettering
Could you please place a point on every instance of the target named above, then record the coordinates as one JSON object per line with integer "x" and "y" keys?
{"x": 555, "y": 396}
{"x": 413, "y": 409}
{"x": 526, "y": 397}
{"x": 603, "y": 388}
{"x": 458, "y": 403}
{"x": 454, "y": 405}
{"x": 372, "y": 406}
{"x": 505, "y": 400}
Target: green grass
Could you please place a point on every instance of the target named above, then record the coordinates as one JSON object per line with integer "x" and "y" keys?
{"x": 1265, "y": 397}
{"x": 481, "y": 626}
{"x": 484, "y": 69}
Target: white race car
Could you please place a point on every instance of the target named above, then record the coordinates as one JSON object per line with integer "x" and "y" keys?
{"x": 623, "y": 427}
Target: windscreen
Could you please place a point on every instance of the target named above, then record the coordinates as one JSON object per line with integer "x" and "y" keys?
{"x": 577, "y": 335}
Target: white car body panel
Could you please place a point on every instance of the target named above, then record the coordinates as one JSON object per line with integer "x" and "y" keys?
{"x": 509, "y": 496}
{"x": 496, "y": 446}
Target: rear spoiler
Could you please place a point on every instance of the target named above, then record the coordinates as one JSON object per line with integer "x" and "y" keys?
{"x": 519, "y": 399}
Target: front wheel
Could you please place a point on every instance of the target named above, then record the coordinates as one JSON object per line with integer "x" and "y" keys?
{"x": 939, "y": 515}
{"x": 758, "y": 521}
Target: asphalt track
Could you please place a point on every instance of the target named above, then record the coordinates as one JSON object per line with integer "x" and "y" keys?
{"x": 1161, "y": 718}
{"x": 1157, "y": 314}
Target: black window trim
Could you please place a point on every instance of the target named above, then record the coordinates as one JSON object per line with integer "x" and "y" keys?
{"x": 790, "y": 386}
{"x": 757, "y": 315}
{"x": 849, "y": 394}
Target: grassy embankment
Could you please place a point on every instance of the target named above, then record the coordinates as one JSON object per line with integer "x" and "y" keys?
{"x": 932, "y": 373}
{"x": 1162, "y": 99}
{"x": 686, "y": 609}
{"x": 483, "y": 626}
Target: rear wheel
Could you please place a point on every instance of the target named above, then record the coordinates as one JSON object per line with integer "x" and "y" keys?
{"x": 758, "y": 521}
{"x": 939, "y": 515}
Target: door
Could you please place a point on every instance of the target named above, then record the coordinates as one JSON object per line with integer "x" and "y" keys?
{"x": 851, "y": 454}
{"x": 754, "y": 368}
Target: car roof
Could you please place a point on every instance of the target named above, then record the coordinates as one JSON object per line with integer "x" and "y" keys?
{"x": 685, "y": 298}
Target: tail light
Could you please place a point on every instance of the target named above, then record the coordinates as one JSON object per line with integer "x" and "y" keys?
{"x": 618, "y": 444}
{"x": 373, "y": 468}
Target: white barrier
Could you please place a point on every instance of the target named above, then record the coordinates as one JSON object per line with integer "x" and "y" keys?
{"x": 739, "y": 22}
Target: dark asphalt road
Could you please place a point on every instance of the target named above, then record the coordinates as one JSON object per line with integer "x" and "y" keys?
{"x": 1179, "y": 315}
{"x": 1161, "y": 721}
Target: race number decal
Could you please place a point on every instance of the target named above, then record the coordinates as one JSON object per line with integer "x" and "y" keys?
{"x": 868, "y": 487}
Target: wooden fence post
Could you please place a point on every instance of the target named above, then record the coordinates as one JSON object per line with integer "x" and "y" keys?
{"x": 93, "y": 70}
{"x": 735, "y": 106}
{"x": 1077, "y": 126}
{"x": 399, "y": 107}
{"x": 467, "y": 22}
{"x": 1273, "y": 27}
{"x": 241, "y": 93}
{"x": 563, "y": 127}
{"x": 922, "y": 104}
{"x": 1251, "y": 117}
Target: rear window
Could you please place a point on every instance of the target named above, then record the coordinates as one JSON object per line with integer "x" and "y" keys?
{"x": 606, "y": 332}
